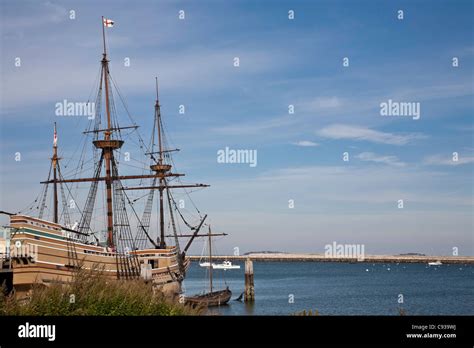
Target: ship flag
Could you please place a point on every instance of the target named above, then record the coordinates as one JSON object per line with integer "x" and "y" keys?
{"x": 108, "y": 23}
{"x": 55, "y": 139}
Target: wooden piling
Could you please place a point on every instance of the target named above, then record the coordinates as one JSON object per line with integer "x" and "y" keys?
{"x": 249, "y": 295}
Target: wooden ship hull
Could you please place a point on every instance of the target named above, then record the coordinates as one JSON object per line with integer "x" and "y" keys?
{"x": 210, "y": 299}
{"x": 43, "y": 253}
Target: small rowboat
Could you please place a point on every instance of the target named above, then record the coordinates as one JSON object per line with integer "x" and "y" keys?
{"x": 210, "y": 299}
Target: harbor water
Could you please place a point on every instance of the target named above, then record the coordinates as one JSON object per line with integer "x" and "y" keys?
{"x": 333, "y": 288}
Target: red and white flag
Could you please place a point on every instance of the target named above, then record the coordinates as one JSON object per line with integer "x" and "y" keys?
{"x": 55, "y": 139}
{"x": 108, "y": 23}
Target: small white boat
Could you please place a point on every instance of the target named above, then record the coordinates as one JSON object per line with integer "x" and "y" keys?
{"x": 225, "y": 265}
{"x": 437, "y": 263}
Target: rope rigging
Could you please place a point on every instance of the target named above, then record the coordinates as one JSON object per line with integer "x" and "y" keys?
{"x": 45, "y": 194}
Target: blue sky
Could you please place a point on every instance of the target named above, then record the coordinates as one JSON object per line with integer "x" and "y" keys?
{"x": 282, "y": 62}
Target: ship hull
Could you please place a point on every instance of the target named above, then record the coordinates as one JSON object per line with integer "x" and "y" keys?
{"x": 211, "y": 299}
{"x": 42, "y": 254}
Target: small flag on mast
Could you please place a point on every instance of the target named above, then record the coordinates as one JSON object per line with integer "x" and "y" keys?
{"x": 108, "y": 23}
{"x": 55, "y": 140}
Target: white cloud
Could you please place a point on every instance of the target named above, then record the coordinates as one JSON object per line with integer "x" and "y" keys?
{"x": 38, "y": 16}
{"x": 342, "y": 131}
{"x": 323, "y": 103}
{"x": 447, "y": 160}
{"x": 203, "y": 68}
{"x": 372, "y": 157}
{"x": 254, "y": 127}
{"x": 434, "y": 92}
{"x": 305, "y": 143}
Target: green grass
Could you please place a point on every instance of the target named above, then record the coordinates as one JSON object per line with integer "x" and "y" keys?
{"x": 91, "y": 293}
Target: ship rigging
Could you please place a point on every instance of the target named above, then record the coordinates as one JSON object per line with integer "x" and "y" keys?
{"x": 126, "y": 253}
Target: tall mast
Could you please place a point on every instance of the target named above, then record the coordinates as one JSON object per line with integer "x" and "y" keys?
{"x": 108, "y": 145}
{"x": 158, "y": 121}
{"x": 103, "y": 35}
{"x": 162, "y": 171}
{"x": 160, "y": 162}
{"x": 54, "y": 159}
{"x": 210, "y": 259}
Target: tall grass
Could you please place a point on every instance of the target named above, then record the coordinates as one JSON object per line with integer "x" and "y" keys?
{"x": 91, "y": 293}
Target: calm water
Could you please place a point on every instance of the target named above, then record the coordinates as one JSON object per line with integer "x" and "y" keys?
{"x": 345, "y": 289}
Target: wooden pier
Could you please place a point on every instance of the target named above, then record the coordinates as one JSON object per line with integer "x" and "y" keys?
{"x": 283, "y": 257}
{"x": 249, "y": 294}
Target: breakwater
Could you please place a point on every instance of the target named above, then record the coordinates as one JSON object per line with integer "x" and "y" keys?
{"x": 288, "y": 257}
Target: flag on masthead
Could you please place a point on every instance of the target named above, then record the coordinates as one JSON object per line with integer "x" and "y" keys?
{"x": 55, "y": 139}
{"x": 108, "y": 23}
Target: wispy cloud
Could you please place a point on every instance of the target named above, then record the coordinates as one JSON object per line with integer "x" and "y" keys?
{"x": 39, "y": 16}
{"x": 254, "y": 127}
{"x": 305, "y": 143}
{"x": 436, "y": 92}
{"x": 342, "y": 131}
{"x": 322, "y": 103}
{"x": 447, "y": 160}
{"x": 208, "y": 69}
{"x": 371, "y": 187}
{"x": 372, "y": 157}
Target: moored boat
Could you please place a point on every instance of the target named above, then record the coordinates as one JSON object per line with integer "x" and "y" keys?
{"x": 225, "y": 265}
{"x": 436, "y": 263}
{"x": 212, "y": 297}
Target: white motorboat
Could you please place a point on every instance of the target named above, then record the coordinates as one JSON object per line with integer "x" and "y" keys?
{"x": 437, "y": 263}
{"x": 225, "y": 265}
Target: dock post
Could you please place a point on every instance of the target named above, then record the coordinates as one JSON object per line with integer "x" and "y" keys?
{"x": 249, "y": 295}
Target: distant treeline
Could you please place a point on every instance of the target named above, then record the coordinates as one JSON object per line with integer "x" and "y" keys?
{"x": 412, "y": 254}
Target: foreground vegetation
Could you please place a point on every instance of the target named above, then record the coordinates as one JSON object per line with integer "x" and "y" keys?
{"x": 90, "y": 293}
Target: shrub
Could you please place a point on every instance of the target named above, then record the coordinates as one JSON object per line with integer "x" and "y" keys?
{"x": 92, "y": 293}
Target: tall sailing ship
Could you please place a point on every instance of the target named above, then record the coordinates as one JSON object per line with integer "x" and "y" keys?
{"x": 45, "y": 252}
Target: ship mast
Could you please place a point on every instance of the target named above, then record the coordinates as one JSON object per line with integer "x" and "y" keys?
{"x": 55, "y": 159}
{"x": 114, "y": 190}
{"x": 162, "y": 171}
{"x": 160, "y": 162}
{"x": 108, "y": 145}
{"x": 107, "y": 150}
{"x": 210, "y": 259}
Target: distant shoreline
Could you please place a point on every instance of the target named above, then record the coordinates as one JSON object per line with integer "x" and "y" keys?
{"x": 287, "y": 257}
